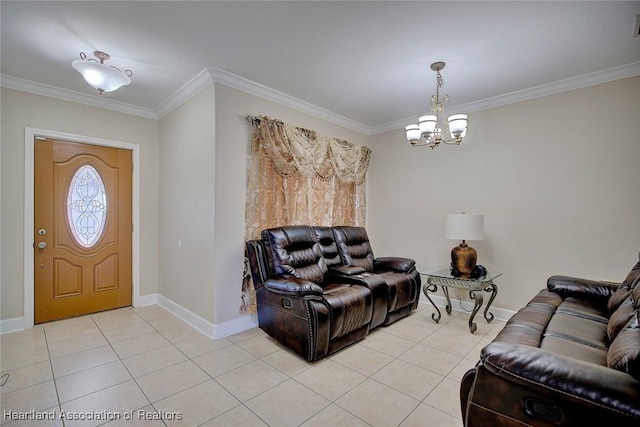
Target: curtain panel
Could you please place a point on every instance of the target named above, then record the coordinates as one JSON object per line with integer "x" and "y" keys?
{"x": 297, "y": 176}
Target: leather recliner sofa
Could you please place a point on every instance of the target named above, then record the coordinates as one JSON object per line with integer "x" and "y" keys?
{"x": 320, "y": 289}
{"x": 571, "y": 357}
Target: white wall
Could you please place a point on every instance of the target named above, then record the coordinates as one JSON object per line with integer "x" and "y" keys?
{"x": 20, "y": 110}
{"x": 187, "y": 204}
{"x": 557, "y": 179}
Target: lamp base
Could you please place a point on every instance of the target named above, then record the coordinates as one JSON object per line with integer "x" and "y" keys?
{"x": 463, "y": 259}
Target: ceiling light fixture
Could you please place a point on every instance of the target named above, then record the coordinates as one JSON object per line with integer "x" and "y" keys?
{"x": 433, "y": 127}
{"x": 100, "y": 76}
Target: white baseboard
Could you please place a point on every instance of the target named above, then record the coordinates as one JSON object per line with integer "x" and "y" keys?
{"x": 212, "y": 330}
{"x": 145, "y": 300}
{"x": 11, "y": 325}
{"x": 467, "y": 306}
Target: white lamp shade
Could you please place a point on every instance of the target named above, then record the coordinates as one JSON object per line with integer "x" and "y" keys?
{"x": 413, "y": 133}
{"x": 101, "y": 77}
{"x": 463, "y": 227}
{"x": 458, "y": 125}
{"x": 427, "y": 124}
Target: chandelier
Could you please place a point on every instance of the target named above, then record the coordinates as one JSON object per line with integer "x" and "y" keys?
{"x": 432, "y": 127}
{"x": 100, "y": 76}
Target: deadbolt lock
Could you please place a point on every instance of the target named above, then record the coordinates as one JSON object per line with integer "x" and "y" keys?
{"x": 42, "y": 232}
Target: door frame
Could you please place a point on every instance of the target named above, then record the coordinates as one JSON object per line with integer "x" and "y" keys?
{"x": 30, "y": 135}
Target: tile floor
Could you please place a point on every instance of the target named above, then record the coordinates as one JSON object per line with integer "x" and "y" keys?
{"x": 134, "y": 365}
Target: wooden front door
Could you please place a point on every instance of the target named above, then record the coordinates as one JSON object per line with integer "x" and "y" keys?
{"x": 82, "y": 229}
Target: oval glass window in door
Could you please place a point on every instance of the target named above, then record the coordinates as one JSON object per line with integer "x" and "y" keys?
{"x": 87, "y": 206}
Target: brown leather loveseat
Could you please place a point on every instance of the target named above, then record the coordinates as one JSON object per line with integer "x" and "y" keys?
{"x": 571, "y": 357}
{"x": 320, "y": 289}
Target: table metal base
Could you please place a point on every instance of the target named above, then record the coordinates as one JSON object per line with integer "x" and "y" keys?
{"x": 475, "y": 289}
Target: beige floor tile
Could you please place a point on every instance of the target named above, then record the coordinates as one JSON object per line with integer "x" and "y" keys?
{"x": 250, "y": 380}
{"x": 330, "y": 379}
{"x": 238, "y": 416}
{"x": 120, "y": 321}
{"x": 198, "y": 404}
{"x": 461, "y": 368}
{"x": 334, "y": 416}
{"x": 378, "y": 404}
{"x": 288, "y": 362}
{"x": 137, "y": 345}
{"x": 33, "y": 398}
{"x": 161, "y": 384}
{"x": 88, "y": 339}
{"x": 63, "y": 329}
{"x": 153, "y": 313}
{"x": 218, "y": 362}
{"x": 387, "y": 343}
{"x": 446, "y": 397}
{"x": 260, "y": 346}
{"x": 454, "y": 344}
{"x": 426, "y": 415}
{"x": 431, "y": 359}
{"x": 153, "y": 360}
{"x": 408, "y": 379}
{"x": 27, "y": 376}
{"x": 166, "y": 322}
{"x": 118, "y": 400}
{"x": 137, "y": 329}
{"x": 412, "y": 331}
{"x": 303, "y": 406}
{"x": 199, "y": 345}
{"x": 25, "y": 339}
{"x": 91, "y": 380}
{"x": 362, "y": 359}
{"x": 16, "y": 356}
{"x": 249, "y": 333}
{"x": 180, "y": 333}
{"x": 144, "y": 308}
{"x": 80, "y": 361}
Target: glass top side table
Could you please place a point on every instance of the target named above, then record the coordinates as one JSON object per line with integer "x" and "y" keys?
{"x": 476, "y": 287}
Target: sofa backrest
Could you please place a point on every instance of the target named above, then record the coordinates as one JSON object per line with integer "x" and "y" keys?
{"x": 294, "y": 251}
{"x": 354, "y": 247}
{"x": 328, "y": 246}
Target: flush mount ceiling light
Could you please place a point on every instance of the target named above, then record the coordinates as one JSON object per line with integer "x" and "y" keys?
{"x": 100, "y": 76}
{"x": 433, "y": 127}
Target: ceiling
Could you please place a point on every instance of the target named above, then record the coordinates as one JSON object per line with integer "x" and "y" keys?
{"x": 365, "y": 62}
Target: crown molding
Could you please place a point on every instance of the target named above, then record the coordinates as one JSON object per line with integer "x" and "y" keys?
{"x": 215, "y": 75}
{"x": 578, "y": 82}
{"x": 198, "y": 83}
{"x": 234, "y": 81}
{"x": 23, "y": 85}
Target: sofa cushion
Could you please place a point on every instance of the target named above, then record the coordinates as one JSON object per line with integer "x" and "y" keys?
{"x": 624, "y": 352}
{"x": 578, "y": 329}
{"x": 624, "y": 290}
{"x": 620, "y": 318}
{"x": 354, "y": 247}
{"x": 574, "y": 349}
{"x": 295, "y": 251}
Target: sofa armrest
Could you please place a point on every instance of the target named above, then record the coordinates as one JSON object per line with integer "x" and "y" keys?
{"x": 566, "y": 286}
{"x": 346, "y": 270}
{"x": 533, "y": 368}
{"x": 293, "y": 286}
{"x": 397, "y": 264}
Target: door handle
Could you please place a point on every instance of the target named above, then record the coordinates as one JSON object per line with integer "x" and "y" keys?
{"x": 42, "y": 245}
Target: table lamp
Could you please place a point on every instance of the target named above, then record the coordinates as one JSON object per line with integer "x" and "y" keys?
{"x": 463, "y": 227}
